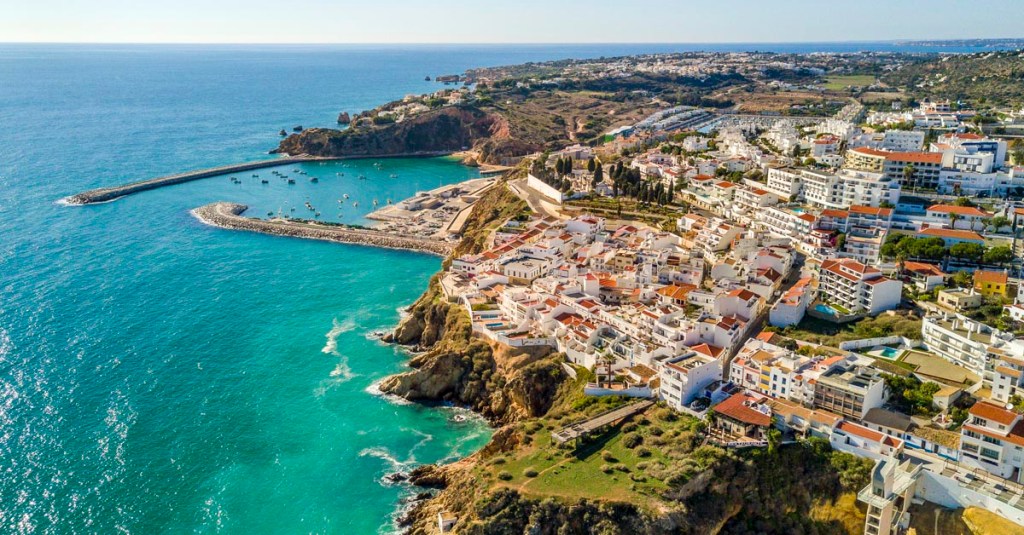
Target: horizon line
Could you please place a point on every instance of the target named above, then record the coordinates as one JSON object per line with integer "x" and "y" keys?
{"x": 520, "y": 43}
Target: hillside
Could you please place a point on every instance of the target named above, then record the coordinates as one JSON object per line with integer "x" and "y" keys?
{"x": 993, "y": 78}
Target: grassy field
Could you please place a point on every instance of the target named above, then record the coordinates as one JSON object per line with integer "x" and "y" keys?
{"x": 840, "y": 83}
{"x": 631, "y": 462}
{"x": 831, "y": 334}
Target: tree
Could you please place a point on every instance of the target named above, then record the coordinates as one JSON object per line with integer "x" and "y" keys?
{"x": 1000, "y": 254}
{"x": 953, "y": 218}
{"x": 591, "y": 164}
{"x": 967, "y": 251}
{"x": 840, "y": 241}
{"x": 598, "y": 174}
{"x": 963, "y": 279}
{"x": 963, "y": 201}
{"x": 559, "y": 166}
{"x": 908, "y": 174}
{"x": 998, "y": 222}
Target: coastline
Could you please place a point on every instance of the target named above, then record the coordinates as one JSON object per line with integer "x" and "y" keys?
{"x": 227, "y": 215}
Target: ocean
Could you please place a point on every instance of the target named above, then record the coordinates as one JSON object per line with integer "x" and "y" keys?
{"x": 158, "y": 375}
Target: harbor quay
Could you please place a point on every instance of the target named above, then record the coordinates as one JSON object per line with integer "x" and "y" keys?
{"x": 229, "y": 216}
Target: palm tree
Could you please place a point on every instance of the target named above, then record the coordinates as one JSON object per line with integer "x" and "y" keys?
{"x": 953, "y": 218}
{"x": 908, "y": 175}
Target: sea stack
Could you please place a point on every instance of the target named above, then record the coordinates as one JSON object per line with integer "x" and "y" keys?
{"x": 343, "y": 118}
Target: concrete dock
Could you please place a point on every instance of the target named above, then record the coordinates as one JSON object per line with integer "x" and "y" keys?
{"x": 229, "y": 216}
{"x": 115, "y": 192}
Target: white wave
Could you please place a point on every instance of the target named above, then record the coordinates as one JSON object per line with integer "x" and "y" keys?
{"x": 342, "y": 371}
{"x": 374, "y": 389}
{"x": 338, "y": 328}
{"x": 384, "y": 454}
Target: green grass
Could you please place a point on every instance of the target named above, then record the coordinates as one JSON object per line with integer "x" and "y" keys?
{"x": 839, "y": 83}
{"x": 827, "y": 333}
{"x": 602, "y": 467}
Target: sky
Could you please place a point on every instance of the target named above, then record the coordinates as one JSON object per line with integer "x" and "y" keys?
{"x": 489, "y": 21}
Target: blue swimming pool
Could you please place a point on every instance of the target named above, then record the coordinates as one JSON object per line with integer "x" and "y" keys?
{"x": 825, "y": 309}
{"x": 890, "y": 353}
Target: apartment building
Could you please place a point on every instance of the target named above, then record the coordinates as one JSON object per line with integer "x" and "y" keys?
{"x": 978, "y": 347}
{"x": 857, "y": 287}
{"x": 851, "y": 391}
{"x": 992, "y": 439}
{"x": 684, "y": 378}
{"x": 889, "y": 496}
{"x": 957, "y": 217}
{"x": 791, "y": 307}
{"x": 909, "y": 169}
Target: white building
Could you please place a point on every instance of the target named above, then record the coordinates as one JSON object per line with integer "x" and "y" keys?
{"x": 685, "y": 377}
{"x": 857, "y": 287}
{"x": 992, "y": 439}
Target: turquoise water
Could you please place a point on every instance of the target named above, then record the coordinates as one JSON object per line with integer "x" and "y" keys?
{"x": 825, "y": 309}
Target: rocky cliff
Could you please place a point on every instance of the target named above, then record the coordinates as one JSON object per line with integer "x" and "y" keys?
{"x": 440, "y": 131}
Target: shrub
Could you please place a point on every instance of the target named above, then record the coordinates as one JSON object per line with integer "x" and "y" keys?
{"x": 530, "y": 472}
{"x": 629, "y": 428}
{"x": 608, "y": 457}
{"x": 498, "y": 460}
{"x": 657, "y": 431}
{"x": 504, "y": 476}
{"x": 607, "y": 468}
{"x": 643, "y": 452}
{"x": 632, "y": 440}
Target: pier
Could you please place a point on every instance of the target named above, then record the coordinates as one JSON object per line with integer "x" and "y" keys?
{"x": 114, "y": 192}
{"x": 229, "y": 216}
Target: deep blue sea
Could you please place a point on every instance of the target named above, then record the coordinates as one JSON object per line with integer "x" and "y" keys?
{"x": 158, "y": 375}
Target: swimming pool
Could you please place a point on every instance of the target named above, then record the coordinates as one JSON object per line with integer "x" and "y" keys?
{"x": 825, "y": 309}
{"x": 890, "y": 353}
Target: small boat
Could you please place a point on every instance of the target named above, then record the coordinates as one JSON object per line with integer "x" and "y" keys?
{"x": 362, "y": 177}
{"x": 355, "y": 204}
{"x": 291, "y": 180}
{"x": 314, "y": 180}
{"x": 393, "y": 175}
{"x": 293, "y": 209}
{"x": 254, "y": 175}
{"x": 345, "y": 195}
{"x": 426, "y": 78}
{"x": 265, "y": 181}
{"x": 317, "y": 214}
{"x": 270, "y": 214}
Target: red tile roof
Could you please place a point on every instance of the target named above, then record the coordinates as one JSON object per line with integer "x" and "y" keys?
{"x": 991, "y": 411}
{"x": 950, "y": 233}
{"x": 958, "y": 210}
{"x": 915, "y": 157}
{"x": 736, "y": 407}
{"x": 870, "y": 210}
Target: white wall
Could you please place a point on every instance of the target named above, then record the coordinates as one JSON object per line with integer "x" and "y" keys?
{"x": 544, "y": 189}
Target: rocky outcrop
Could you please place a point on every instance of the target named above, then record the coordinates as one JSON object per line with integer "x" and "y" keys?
{"x": 436, "y": 132}
{"x": 344, "y": 118}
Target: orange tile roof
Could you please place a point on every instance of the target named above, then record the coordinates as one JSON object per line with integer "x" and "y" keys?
{"x": 735, "y": 407}
{"x": 922, "y": 268}
{"x": 991, "y": 411}
{"x": 958, "y": 210}
{"x": 834, "y": 213}
{"x": 870, "y": 152}
{"x": 915, "y": 157}
{"x": 950, "y": 233}
{"x": 992, "y": 277}
{"x": 870, "y": 210}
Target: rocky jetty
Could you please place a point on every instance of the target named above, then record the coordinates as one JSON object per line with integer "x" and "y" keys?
{"x": 228, "y": 215}
{"x": 114, "y": 192}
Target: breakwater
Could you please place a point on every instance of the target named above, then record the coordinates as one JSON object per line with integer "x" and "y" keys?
{"x": 113, "y": 192}
{"x": 229, "y": 215}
